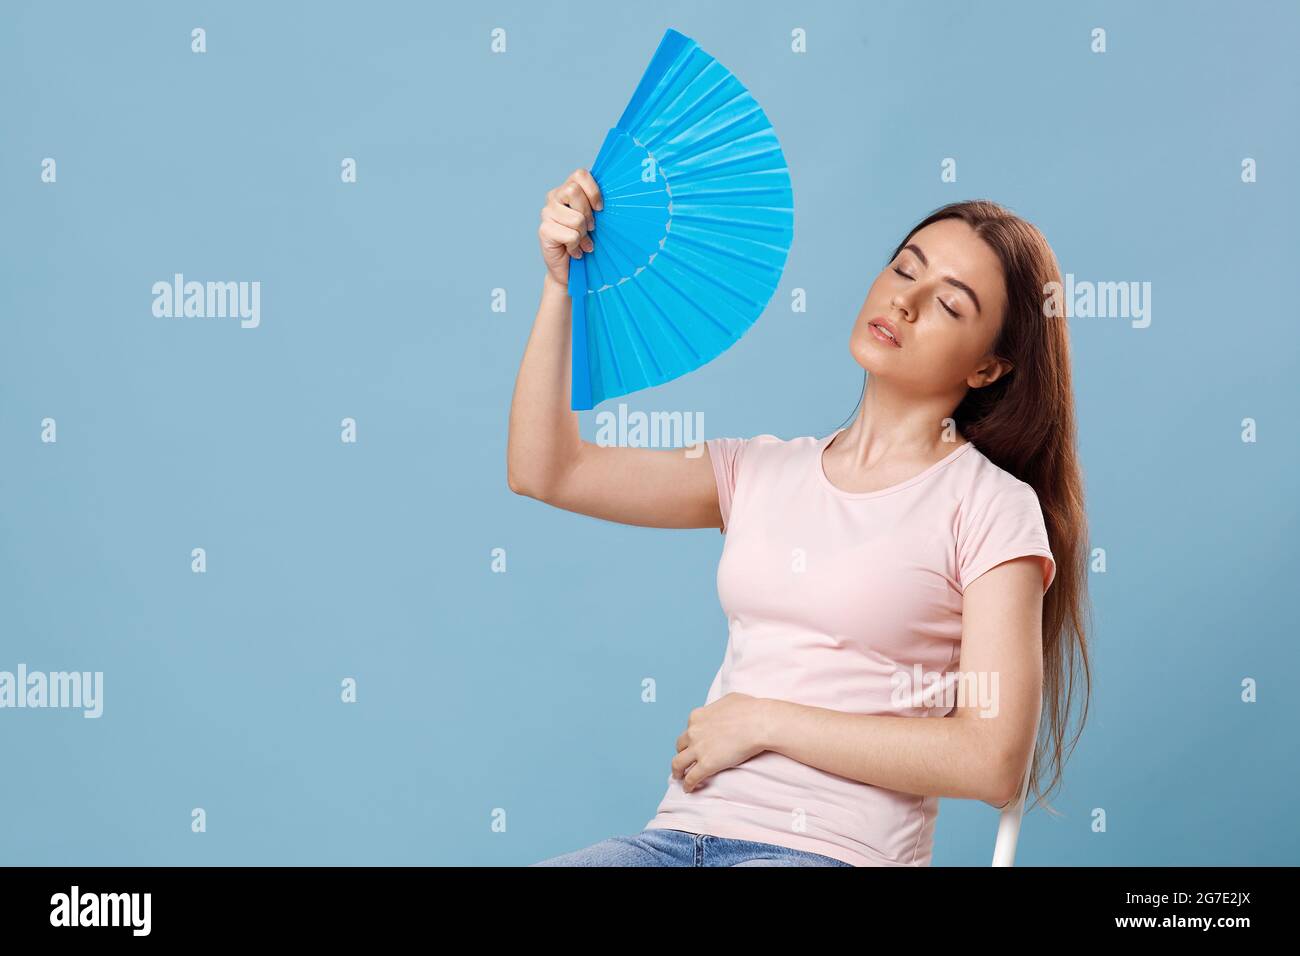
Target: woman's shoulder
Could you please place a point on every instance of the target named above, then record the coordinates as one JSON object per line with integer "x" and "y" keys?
{"x": 765, "y": 453}
{"x": 983, "y": 483}
{"x": 999, "y": 517}
{"x": 765, "y": 445}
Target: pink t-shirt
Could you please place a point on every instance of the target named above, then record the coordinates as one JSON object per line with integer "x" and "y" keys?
{"x": 830, "y": 595}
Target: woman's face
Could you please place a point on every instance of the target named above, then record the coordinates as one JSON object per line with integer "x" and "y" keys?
{"x": 943, "y": 297}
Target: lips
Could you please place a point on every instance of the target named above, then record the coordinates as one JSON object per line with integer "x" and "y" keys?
{"x": 884, "y": 330}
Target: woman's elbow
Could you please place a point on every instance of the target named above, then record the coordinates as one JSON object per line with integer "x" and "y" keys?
{"x": 518, "y": 477}
{"x": 529, "y": 484}
{"x": 519, "y": 484}
{"x": 999, "y": 796}
{"x": 544, "y": 478}
{"x": 1003, "y": 781}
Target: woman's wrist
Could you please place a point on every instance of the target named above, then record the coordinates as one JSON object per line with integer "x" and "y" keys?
{"x": 552, "y": 285}
{"x": 768, "y": 722}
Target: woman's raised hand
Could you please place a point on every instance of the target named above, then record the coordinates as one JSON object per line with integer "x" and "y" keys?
{"x": 567, "y": 220}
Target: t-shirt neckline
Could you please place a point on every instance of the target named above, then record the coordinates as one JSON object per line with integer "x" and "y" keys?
{"x": 835, "y": 489}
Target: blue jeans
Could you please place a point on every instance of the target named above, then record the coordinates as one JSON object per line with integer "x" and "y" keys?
{"x": 663, "y": 847}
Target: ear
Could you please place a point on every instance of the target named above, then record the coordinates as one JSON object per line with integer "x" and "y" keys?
{"x": 988, "y": 372}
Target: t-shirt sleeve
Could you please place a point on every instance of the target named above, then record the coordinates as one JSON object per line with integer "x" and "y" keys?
{"x": 726, "y": 455}
{"x": 997, "y": 526}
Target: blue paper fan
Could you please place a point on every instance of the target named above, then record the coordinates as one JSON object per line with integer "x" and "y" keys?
{"x": 694, "y": 234}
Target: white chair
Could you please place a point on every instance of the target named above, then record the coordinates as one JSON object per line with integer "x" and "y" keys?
{"x": 1004, "y": 850}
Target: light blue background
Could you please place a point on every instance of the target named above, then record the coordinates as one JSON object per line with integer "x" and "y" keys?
{"x": 522, "y": 690}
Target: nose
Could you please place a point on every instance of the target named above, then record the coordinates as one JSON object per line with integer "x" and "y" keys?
{"x": 899, "y": 302}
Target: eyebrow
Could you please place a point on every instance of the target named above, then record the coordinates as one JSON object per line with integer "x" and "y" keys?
{"x": 949, "y": 279}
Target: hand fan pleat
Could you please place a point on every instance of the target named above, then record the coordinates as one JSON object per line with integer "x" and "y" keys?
{"x": 694, "y": 234}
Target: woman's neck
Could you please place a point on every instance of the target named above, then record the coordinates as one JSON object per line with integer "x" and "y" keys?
{"x": 893, "y": 426}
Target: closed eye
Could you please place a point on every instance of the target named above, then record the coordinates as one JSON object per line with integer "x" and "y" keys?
{"x": 941, "y": 302}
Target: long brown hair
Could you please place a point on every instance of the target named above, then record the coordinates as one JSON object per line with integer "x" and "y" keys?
{"x": 1024, "y": 422}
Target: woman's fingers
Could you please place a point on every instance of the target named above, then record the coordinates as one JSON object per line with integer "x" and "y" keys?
{"x": 694, "y": 776}
{"x": 561, "y": 235}
{"x": 567, "y": 217}
{"x": 683, "y": 761}
{"x": 588, "y": 183}
{"x": 575, "y": 197}
{"x": 571, "y": 219}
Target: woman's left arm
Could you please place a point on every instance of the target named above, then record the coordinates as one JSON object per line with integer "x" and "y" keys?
{"x": 979, "y": 753}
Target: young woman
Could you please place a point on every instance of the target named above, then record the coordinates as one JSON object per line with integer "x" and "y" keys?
{"x": 927, "y": 560}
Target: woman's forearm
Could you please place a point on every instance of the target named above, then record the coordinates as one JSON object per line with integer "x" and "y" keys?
{"x": 935, "y": 756}
{"x": 544, "y": 440}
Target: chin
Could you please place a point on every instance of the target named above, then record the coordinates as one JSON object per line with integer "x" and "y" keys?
{"x": 872, "y": 355}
